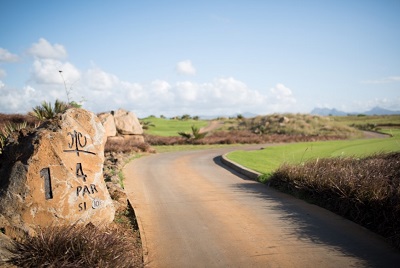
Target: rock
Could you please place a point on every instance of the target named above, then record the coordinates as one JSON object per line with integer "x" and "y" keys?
{"x": 118, "y": 195}
{"x": 284, "y": 120}
{"x": 107, "y": 119}
{"x": 127, "y": 123}
{"x": 53, "y": 175}
{"x": 116, "y": 139}
{"x": 134, "y": 138}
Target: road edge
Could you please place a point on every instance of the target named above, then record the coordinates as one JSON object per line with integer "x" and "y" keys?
{"x": 251, "y": 174}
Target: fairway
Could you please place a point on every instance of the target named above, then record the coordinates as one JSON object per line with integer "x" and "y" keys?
{"x": 270, "y": 158}
{"x": 171, "y": 127}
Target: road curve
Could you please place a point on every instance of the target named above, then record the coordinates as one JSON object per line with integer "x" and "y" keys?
{"x": 193, "y": 212}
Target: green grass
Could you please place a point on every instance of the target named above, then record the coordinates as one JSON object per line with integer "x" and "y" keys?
{"x": 270, "y": 158}
{"x": 171, "y": 127}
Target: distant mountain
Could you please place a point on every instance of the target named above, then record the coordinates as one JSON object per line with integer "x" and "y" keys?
{"x": 327, "y": 111}
{"x": 373, "y": 111}
{"x": 380, "y": 111}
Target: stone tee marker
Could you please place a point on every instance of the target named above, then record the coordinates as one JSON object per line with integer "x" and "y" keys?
{"x": 54, "y": 175}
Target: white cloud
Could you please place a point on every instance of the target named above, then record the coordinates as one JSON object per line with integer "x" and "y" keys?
{"x": 362, "y": 106}
{"x": 1, "y": 84}
{"x": 135, "y": 93}
{"x": 221, "y": 95}
{"x": 47, "y": 71}
{"x": 44, "y": 50}
{"x": 185, "y": 67}
{"x": 97, "y": 79}
{"x": 188, "y": 91}
{"x": 162, "y": 90}
{"x": 283, "y": 94}
{"x": 3, "y": 73}
{"x": 20, "y": 100}
{"x": 6, "y": 56}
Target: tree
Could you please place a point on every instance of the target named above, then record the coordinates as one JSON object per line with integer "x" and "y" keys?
{"x": 185, "y": 117}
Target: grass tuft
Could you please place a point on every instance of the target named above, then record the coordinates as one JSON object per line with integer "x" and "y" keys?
{"x": 73, "y": 246}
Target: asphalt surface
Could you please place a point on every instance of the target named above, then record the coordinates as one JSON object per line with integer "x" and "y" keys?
{"x": 194, "y": 212}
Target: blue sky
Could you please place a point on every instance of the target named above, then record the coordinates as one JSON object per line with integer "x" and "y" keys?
{"x": 201, "y": 57}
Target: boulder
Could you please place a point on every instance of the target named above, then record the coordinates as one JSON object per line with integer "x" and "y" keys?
{"x": 134, "y": 138}
{"x": 53, "y": 175}
{"x": 127, "y": 123}
{"x": 284, "y": 120}
{"x": 107, "y": 119}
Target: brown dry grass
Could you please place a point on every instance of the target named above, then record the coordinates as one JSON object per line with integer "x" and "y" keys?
{"x": 17, "y": 119}
{"x": 77, "y": 246}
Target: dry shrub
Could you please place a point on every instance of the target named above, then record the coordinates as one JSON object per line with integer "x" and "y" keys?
{"x": 74, "y": 246}
{"x": 17, "y": 119}
{"x": 159, "y": 140}
{"x": 297, "y": 124}
{"x": 366, "y": 191}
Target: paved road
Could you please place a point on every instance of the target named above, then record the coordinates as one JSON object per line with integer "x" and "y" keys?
{"x": 193, "y": 212}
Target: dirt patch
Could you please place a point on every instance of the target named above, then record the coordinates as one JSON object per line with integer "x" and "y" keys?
{"x": 212, "y": 126}
{"x": 374, "y": 135}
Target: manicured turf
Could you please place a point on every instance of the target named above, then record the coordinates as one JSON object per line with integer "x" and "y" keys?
{"x": 171, "y": 127}
{"x": 270, "y": 158}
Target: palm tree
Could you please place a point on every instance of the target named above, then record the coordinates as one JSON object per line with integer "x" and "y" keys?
{"x": 196, "y": 134}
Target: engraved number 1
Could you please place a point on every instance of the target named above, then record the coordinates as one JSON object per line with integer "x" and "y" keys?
{"x": 45, "y": 174}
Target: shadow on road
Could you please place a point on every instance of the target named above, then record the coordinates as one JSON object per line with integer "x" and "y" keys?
{"x": 217, "y": 160}
{"x": 313, "y": 223}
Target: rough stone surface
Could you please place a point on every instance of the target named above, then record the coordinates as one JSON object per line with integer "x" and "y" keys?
{"x": 54, "y": 174}
{"x": 107, "y": 119}
{"x": 127, "y": 123}
{"x": 118, "y": 196}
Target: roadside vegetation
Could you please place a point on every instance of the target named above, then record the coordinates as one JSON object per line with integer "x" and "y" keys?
{"x": 357, "y": 179}
{"x": 364, "y": 190}
{"x": 76, "y": 246}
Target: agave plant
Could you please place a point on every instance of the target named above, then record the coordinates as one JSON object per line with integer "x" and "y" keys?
{"x": 47, "y": 111}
